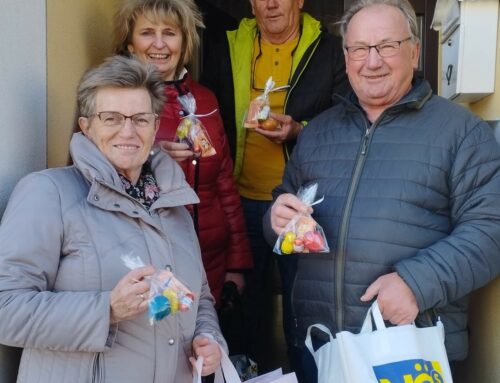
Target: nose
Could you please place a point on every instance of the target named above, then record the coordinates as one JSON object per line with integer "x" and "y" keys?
{"x": 158, "y": 42}
{"x": 272, "y": 3}
{"x": 373, "y": 59}
{"x": 128, "y": 128}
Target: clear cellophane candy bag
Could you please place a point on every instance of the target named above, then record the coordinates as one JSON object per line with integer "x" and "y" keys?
{"x": 258, "y": 109}
{"x": 191, "y": 131}
{"x": 167, "y": 295}
{"x": 303, "y": 234}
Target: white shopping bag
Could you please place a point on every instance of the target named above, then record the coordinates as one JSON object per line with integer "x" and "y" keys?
{"x": 227, "y": 373}
{"x": 327, "y": 357}
{"x": 401, "y": 354}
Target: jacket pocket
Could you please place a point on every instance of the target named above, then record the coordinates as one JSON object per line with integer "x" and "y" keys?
{"x": 97, "y": 371}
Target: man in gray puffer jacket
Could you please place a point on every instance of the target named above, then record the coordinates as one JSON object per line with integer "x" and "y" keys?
{"x": 411, "y": 184}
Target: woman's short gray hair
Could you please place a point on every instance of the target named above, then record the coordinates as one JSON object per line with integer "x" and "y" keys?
{"x": 182, "y": 13}
{"x": 403, "y": 5}
{"x": 120, "y": 72}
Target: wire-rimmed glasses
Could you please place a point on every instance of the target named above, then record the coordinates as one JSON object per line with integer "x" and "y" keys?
{"x": 117, "y": 119}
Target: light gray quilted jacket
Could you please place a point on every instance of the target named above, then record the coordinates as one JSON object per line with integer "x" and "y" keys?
{"x": 61, "y": 238}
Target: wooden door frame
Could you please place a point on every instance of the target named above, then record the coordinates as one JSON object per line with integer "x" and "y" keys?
{"x": 429, "y": 41}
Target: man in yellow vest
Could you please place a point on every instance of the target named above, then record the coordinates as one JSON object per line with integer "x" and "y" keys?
{"x": 307, "y": 63}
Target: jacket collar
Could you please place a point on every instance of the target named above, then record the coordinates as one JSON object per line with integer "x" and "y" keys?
{"x": 415, "y": 99}
{"x": 174, "y": 190}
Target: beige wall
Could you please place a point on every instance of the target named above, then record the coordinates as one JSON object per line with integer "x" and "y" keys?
{"x": 483, "y": 363}
{"x": 78, "y": 36}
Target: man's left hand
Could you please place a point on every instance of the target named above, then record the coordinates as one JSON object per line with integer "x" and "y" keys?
{"x": 397, "y": 302}
{"x": 288, "y": 129}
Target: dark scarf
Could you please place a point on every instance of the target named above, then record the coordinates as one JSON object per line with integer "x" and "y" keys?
{"x": 146, "y": 191}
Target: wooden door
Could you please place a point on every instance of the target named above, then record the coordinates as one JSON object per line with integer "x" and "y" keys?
{"x": 428, "y": 67}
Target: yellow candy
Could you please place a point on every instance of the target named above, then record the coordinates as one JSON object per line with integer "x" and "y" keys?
{"x": 289, "y": 236}
{"x": 171, "y": 295}
{"x": 286, "y": 247}
{"x": 183, "y": 128}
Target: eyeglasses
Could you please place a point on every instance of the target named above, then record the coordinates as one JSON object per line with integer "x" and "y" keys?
{"x": 117, "y": 119}
{"x": 386, "y": 49}
{"x": 279, "y": 89}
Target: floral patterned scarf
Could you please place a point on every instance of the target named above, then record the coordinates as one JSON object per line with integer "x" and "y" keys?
{"x": 146, "y": 191}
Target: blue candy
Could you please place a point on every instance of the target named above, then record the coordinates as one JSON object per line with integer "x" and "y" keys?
{"x": 159, "y": 307}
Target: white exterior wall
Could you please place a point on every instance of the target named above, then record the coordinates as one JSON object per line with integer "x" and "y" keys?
{"x": 23, "y": 89}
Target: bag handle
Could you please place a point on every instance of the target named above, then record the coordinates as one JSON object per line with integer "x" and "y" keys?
{"x": 373, "y": 311}
{"x": 308, "y": 341}
{"x": 225, "y": 373}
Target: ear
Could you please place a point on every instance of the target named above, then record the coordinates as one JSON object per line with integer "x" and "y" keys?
{"x": 157, "y": 125}
{"x": 301, "y": 4}
{"x": 130, "y": 48}
{"x": 346, "y": 59}
{"x": 415, "y": 55}
{"x": 83, "y": 123}
{"x": 253, "y": 10}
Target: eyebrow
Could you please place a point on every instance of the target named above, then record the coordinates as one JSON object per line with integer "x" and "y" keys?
{"x": 364, "y": 43}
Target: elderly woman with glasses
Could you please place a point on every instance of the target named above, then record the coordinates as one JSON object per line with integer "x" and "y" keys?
{"x": 163, "y": 33}
{"x": 66, "y": 296}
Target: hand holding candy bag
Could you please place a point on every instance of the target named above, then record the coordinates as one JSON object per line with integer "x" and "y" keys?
{"x": 167, "y": 295}
{"x": 302, "y": 234}
{"x": 191, "y": 131}
{"x": 257, "y": 115}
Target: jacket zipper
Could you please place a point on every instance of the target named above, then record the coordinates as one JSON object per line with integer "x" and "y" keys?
{"x": 340, "y": 255}
{"x": 292, "y": 309}
{"x": 97, "y": 368}
{"x": 316, "y": 43}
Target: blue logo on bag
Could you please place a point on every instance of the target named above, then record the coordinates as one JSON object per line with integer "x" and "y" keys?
{"x": 410, "y": 371}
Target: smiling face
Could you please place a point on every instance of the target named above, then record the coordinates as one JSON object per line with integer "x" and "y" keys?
{"x": 380, "y": 82}
{"x": 126, "y": 147}
{"x": 157, "y": 43}
{"x": 278, "y": 20}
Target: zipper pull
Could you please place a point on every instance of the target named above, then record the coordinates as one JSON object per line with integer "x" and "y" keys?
{"x": 365, "y": 142}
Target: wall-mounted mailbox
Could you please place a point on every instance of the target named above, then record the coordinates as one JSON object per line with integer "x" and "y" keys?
{"x": 468, "y": 46}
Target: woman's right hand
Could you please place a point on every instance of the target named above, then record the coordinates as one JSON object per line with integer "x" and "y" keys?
{"x": 178, "y": 151}
{"x": 130, "y": 296}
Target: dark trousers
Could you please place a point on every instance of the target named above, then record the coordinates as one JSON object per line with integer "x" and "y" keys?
{"x": 257, "y": 297}
{"x": 260, "y": 287}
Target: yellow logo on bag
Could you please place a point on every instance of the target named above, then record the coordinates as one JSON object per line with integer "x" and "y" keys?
{"x": 410, "y": 371}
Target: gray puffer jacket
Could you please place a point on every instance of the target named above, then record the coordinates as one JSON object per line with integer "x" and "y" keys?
{"x": 416, "y": 192}
{"x": 61, "y": 238}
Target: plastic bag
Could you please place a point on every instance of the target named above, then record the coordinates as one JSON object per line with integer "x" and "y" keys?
{"x": 167, "y": 295}
{"x": 191, "y": 131}
{"x": 303, "y": 234}
{"x": 257, "y": 115}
